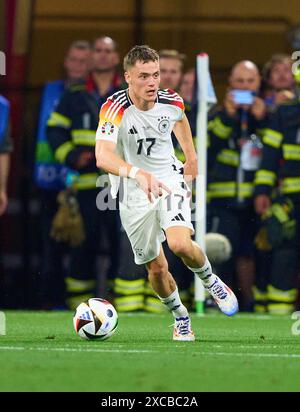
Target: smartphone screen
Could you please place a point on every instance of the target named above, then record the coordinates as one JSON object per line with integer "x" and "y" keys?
{"x": 242, "y": 96}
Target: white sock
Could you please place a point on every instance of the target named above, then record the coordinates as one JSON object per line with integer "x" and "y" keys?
{"x": 174, "y": 304}
{"x": 205, "y": 273}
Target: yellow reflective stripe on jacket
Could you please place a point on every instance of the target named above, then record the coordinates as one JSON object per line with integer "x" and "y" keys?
{"x": 62, "y": 151}
{"x": 245, "y": 189}
{"x": 291, "y": 185}
{"x": 259, "y": 295}
{"x": 59, "y": 120}
{"x": 230, "y": 189}
{"x": 74, "y": 301}
{"x": 78, "y": 285}
{"x": 228, "y": 157}
{"x": 179, "y": 154}
{"x": 129, "y": 287}
{"x": 154, "y": 305}
{"x": 291, "y": 151}
{"x": 265, "y": 177}
{"x": 129, "y": 303}
{"x": 272, "y": 138}
{"x": 277, "y": 295}
{"x": 227, "y": 189}
{"x": 219, "y": 129}
{"x": 281, "y": 308}
{"x": 83, "y": 137}
{"x": 86, "y": 181}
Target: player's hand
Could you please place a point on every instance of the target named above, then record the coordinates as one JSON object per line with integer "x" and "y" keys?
{"x": 284, "y": 96}
{"x": 3, "y": 202}
{"x": 261, "y": 204}
{"x": 150, "y": 185}
{"x": 230, "y": 106}
{"x": 258, "y": 108}
{"x": 190, "y": 169}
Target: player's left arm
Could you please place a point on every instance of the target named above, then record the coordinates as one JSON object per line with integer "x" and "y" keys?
{"x": 183, "y": 134}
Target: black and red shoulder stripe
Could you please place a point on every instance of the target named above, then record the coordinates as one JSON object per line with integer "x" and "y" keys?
{"x": 169, "y": 96}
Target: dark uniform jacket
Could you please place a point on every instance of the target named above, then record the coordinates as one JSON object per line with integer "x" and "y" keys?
{"x": 71, "y": 129}
{"x": 234, "y": 152}
{"x": 281, "y": 153}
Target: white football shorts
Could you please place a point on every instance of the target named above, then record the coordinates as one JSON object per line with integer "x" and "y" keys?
{"x": 145, "y": 222}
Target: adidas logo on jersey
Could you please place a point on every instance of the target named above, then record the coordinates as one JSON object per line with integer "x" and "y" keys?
{"x": 178, "y": 217}
{"x": 132, "y": 130}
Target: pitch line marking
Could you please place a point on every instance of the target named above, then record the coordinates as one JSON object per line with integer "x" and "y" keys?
{"x": 245, "y": 355}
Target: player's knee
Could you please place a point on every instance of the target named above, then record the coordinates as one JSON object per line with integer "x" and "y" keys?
{"x": 181, "y": 247}
{"x": 158, "y": 270}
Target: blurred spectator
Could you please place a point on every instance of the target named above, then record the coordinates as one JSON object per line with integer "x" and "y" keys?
{"x": 49, "y": 175}
{"x": 71, "y": 133}
{"x": 233, "y": 157}
{"x": 5, "y": 149}
{"x": 280, "y": 208}
{"x": 278, "y": 85}
{"x": 171, "y": 66}
{"x": 187, "y": 92}
{"x": 187, "y": 86}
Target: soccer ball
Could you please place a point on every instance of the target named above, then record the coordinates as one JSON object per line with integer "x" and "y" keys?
{"x": 218, "y": 248}
{"x": 95, "y": 319}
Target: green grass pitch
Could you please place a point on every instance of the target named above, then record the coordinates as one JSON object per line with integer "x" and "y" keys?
{"x": 41, "y": 352}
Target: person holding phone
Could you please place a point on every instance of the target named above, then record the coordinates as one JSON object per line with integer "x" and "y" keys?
{"x": 233, "y": 157}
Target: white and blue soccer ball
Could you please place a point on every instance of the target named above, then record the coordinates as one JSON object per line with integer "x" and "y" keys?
{"x": 95, "y": 319}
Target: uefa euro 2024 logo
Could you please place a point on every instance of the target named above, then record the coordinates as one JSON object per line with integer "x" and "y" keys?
{"x": 2, "y": 64}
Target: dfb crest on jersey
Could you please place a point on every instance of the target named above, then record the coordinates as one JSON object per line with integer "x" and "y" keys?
{"x": 164, "y": 124}
{"x": 107, "y": 128}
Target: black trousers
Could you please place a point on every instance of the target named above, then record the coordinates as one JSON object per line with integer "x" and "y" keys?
{"x": 102, "y": 228}
{"x": 51, "y": 288}
{"x": 240, "y": 227}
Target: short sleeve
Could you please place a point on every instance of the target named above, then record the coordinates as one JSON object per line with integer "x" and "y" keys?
{"x": 172, "y": 98}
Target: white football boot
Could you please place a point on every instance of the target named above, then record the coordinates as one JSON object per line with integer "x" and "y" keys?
{"x": 183, "y": 329}
{"x": 223, "y": 296}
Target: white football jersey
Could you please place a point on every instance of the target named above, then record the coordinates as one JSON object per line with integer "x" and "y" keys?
{"x": 143, "y": 138}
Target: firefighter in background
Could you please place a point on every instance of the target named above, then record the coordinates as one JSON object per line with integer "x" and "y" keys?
{"x": 278, "y": 87}
{"x": 278, "y": 81}
{"x": 49, "y": 176}
{"x": 234, "y": 154}
{"x": 5, "y": 149}
{"x": 71, "y": 133}
{"x": 280, "y": 169}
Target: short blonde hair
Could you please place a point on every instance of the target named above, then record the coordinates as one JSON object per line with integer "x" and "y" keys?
{"x": 140, "y": 53}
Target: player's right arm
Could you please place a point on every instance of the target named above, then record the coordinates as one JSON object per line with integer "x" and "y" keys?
{"x": 108, "y": 160}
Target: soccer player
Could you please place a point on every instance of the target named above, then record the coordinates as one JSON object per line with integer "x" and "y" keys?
{"x": 133, "y": 141}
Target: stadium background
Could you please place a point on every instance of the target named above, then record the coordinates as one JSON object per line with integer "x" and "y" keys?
{"x": 35, "y": 35}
